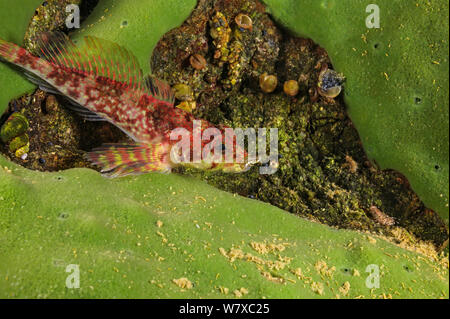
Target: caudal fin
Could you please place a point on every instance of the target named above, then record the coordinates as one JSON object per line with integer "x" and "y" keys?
{"x": 117, "y": 160}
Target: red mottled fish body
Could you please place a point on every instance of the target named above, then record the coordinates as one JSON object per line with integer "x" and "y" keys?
{"x": 104, "y": 82}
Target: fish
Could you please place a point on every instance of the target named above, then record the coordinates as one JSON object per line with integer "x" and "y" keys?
{"x": 102, "y": 81}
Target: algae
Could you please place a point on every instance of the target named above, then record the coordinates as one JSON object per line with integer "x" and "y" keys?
{"x": 323, "y": 173}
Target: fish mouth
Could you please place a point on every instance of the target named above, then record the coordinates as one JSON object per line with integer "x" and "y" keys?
{"x": 249, "y": 165}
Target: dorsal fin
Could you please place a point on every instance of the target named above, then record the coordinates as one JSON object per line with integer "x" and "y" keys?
{"x": 159, "y": 89}
{"x": 95, "y": 56}
{"x": 100, "y": 57}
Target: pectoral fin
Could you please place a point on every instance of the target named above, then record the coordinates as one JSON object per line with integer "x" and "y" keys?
{"x": 117, "y": 160}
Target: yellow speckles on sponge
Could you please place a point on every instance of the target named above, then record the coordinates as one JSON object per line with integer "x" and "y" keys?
{"x": 323, "y": 269}
{"x": 317, "y": 287}
{"x": 264, "y": 248}
{"x": 241, "y": 292}
{"x": 345, "y": 288}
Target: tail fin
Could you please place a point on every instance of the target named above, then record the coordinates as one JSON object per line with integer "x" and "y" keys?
{"x": 117, "y": 160}
{"x": 8, "y": 50}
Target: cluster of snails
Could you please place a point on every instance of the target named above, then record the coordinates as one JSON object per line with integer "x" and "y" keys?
{"x": 268, "y": 84}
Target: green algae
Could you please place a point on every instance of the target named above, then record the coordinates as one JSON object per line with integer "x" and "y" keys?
{"x": 397, "y": 81}
{"x": 170, "y": 227}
